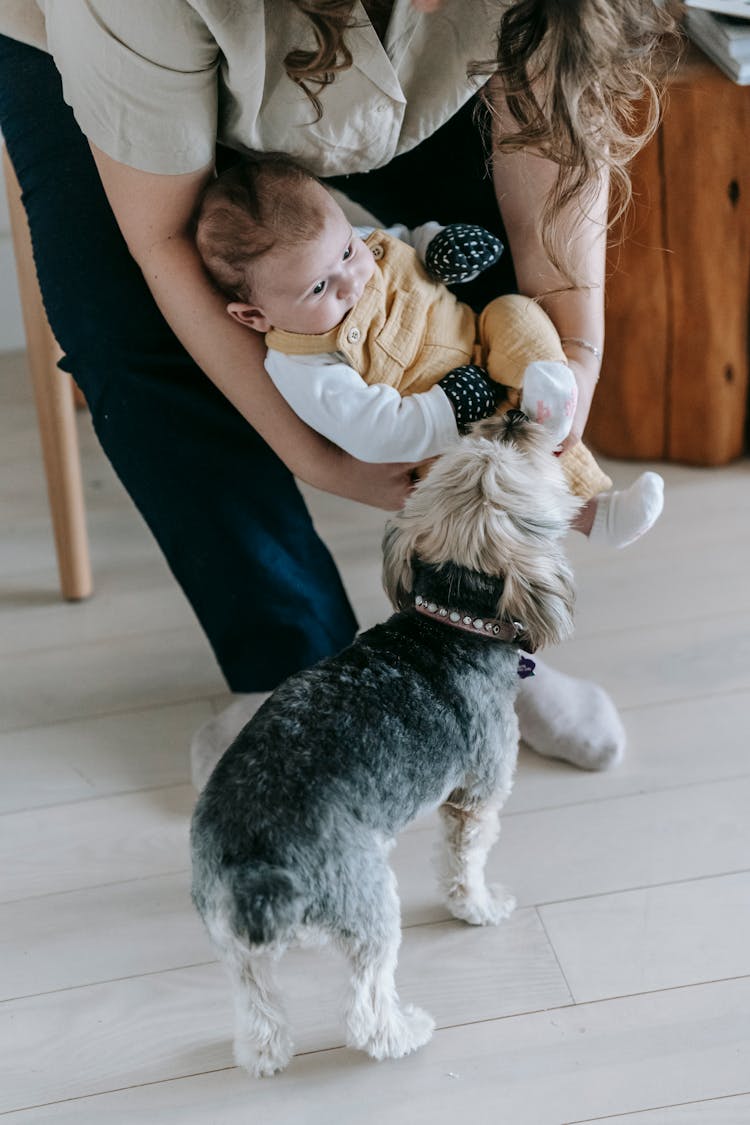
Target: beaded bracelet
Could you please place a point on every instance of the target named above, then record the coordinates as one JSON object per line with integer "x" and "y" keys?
{"x": 596, "y": 352}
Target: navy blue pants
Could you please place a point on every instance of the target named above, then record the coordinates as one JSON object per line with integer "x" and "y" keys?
{"x": 224, "y": 509}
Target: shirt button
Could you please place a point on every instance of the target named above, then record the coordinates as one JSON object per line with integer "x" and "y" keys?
{"x": 377, "y": 252}
{"x": 353, "y": 335}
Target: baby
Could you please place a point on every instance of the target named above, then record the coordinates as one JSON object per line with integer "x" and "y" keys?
{"x": 370, "y": 348}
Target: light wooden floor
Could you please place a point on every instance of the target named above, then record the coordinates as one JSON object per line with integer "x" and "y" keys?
{"x": 620, "y": 989}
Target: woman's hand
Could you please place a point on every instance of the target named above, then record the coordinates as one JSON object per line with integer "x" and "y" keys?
{"x": 379, "y": 485}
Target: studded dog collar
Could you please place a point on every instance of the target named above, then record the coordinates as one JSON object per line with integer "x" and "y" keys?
{"x": 491, "y": 627}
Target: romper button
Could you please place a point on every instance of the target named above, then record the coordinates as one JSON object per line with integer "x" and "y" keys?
{"x": 377, "y": 251}
{"x": 353, "y": 335}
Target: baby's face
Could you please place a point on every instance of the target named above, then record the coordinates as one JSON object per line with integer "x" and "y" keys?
{"x": 311, "y": 287}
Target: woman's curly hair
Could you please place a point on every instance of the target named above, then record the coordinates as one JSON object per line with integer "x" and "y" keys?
{"x": 581, "y": 80}
{"x": 312, "y": 70}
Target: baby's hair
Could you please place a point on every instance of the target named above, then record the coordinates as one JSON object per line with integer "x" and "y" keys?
{"x": 255, "y": 205}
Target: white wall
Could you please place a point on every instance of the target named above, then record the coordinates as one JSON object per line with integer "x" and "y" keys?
{"x": 11, "y": 329}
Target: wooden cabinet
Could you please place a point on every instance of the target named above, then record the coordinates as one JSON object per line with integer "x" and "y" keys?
{"x": 674, "y": 383}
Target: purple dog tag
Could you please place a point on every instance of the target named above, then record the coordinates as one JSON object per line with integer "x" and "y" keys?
{"x": 525, "y": 667}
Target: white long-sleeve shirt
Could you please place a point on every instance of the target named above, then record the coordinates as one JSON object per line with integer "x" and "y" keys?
{"x": 372, "y": 422}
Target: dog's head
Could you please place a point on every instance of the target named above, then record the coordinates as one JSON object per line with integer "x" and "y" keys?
{"x": 496, "y": 503}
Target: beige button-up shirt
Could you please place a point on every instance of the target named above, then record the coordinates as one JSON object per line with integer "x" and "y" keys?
{"x": 155, "y": 83}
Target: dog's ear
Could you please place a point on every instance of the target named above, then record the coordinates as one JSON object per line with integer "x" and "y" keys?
{"x": 541, "y": 595}
{"x": 397, "y": 568}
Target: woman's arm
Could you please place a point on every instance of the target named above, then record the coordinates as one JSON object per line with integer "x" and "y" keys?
{"x": 523, "y": 181}
{"x": 154, "y": 213}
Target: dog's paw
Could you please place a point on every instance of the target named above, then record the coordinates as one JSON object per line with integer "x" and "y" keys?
{"x": 489, "y": 908}
{"x": 265, "y": 1059}
{"x": 405, "y": 1031}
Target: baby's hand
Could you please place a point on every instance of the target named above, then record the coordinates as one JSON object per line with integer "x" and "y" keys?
{"x": 550, "y": 396}
{"x": 461, "y": 252}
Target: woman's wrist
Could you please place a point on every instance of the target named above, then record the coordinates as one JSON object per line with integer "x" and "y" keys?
{"x": 586, "y": 377}
{"x": 585, "y": 366}
{"x": 579, "y": 344}
{"x": 384, "y": 486}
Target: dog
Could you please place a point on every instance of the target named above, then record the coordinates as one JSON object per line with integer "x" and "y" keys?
{"x": 292, "y": 831}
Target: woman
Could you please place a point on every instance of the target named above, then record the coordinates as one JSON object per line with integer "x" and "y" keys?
{"x": 347, "y": 87}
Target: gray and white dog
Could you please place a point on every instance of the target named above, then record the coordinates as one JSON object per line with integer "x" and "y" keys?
{"x": 291, "y": 834}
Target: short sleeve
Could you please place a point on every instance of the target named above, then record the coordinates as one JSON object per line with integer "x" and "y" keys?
{"x": 141, "y": 78}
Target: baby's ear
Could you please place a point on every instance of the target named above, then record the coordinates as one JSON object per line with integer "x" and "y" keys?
{"x": 249, "y": 316}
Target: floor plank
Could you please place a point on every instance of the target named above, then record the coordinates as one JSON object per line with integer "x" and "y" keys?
{"x": 548, "y": 1068}
{"x": 155, "y": 1027}
{"x": 131, "y": 599}
{"x": 545, "y": 856}
{"x": 677, "y": 661}
{"x": 718, "y": 1111}
{"x": 668, "y": 745}
{"x": 103, "y": 933}
{"x": 108, "y": 840}
{"x": 661, "y": 937}
{"x": 97, "y": 757}
{"x": 115, "y": 674}
{"x": 591, "y": 849}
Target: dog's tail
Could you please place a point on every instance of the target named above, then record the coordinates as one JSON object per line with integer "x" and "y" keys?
{"x": 268, "y": 902}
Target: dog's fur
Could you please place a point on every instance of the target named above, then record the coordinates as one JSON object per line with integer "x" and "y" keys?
{"x": 292, "y": 831}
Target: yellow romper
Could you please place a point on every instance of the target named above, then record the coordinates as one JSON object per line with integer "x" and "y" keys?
{"x": 408, "y": 331}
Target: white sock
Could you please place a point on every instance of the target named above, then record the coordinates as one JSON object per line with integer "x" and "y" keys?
{"x": 212, "y": 738}
{"x": 623, "y": 517}
{"x": 562, "y": 717}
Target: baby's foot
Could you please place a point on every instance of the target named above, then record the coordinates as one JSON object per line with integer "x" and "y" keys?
{"x": 623, "y": 517}
{"x": 460, "y": 252}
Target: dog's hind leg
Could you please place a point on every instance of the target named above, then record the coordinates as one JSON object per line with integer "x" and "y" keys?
{"x": 470, "y": 830}
{"x": 262, "y": 1045}
{"x": 376, "y": 1021}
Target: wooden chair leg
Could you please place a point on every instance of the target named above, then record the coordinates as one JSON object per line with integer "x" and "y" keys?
{"x": 55, "y": 412}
